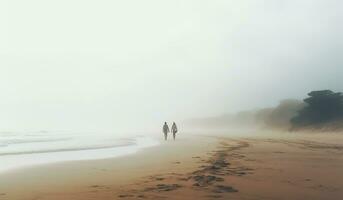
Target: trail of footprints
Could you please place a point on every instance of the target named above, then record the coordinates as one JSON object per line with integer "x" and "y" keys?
{"x": 210, "y": 176}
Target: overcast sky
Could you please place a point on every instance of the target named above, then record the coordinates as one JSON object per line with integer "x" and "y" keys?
{"x": 104, "y": 65}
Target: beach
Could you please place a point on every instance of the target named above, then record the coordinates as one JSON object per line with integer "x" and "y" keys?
{"x": 212, "y": 166}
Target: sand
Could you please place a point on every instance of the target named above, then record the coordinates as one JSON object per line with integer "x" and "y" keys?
{"x": 195, "y": 167}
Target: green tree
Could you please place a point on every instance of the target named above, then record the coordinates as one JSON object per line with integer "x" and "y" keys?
{"x": 322, "y": 106}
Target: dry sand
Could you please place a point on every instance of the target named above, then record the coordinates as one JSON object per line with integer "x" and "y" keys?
{"x": 250, "y": 168}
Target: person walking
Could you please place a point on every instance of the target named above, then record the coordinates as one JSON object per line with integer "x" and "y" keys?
{"x": 174, "y": 130}
{"x": 165, "y": 130}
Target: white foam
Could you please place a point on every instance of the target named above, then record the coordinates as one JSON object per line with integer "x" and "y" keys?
{"x": 20, "y": 159}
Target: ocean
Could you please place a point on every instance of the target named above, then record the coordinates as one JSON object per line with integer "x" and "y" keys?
{"x": 26, "y": 149}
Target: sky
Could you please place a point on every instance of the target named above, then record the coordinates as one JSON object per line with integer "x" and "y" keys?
{"x": 104, "y": 65}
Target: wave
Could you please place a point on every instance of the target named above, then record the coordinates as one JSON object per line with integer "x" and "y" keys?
{"x": 65, "y": 149}
{"x": 46, "y": 142}
{"x": 14, "y": 159}
{"x": 26, "y": 141}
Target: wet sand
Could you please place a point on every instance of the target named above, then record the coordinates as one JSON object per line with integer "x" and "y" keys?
{"x": 222, "y": 167}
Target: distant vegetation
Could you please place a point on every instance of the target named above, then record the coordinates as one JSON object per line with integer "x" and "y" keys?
{"x": 280, "y": 116}
{"x": 322, "y": 107}
{"x": 321, "y": 111}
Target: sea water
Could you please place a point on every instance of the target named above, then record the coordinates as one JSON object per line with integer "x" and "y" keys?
{"x": 18, "y": 150}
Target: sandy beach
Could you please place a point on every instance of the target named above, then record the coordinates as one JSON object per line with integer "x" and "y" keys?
{"x": 194, "y": 167}
{"x": 94, "y": 93}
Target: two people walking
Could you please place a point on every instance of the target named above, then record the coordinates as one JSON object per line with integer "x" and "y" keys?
{"x": 166, "y": 130}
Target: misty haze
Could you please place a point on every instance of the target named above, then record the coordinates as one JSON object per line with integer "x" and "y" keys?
{"x": 104, "y": 100}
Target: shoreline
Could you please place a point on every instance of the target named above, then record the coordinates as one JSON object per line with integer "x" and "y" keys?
{"x": 194, "y": 167}
{"x": 28, "y": 159}
{"x": 79, "y": 175}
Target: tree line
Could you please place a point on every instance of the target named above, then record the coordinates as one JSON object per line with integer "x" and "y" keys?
{"x": 320, "y": 107}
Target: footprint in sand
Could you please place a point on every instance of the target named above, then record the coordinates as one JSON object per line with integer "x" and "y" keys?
{"x": 196, "y": 157}
{"x": 125, "y": 195}
{"x": 223, "y": 189}
{"x": 203, "y": 180}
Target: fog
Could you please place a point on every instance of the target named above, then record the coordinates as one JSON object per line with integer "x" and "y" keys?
{"x": 112, "y": 66}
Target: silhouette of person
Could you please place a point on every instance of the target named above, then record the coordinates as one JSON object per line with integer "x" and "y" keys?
{"x": 165, "y": 130}
{"x": 174, "y": 130}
